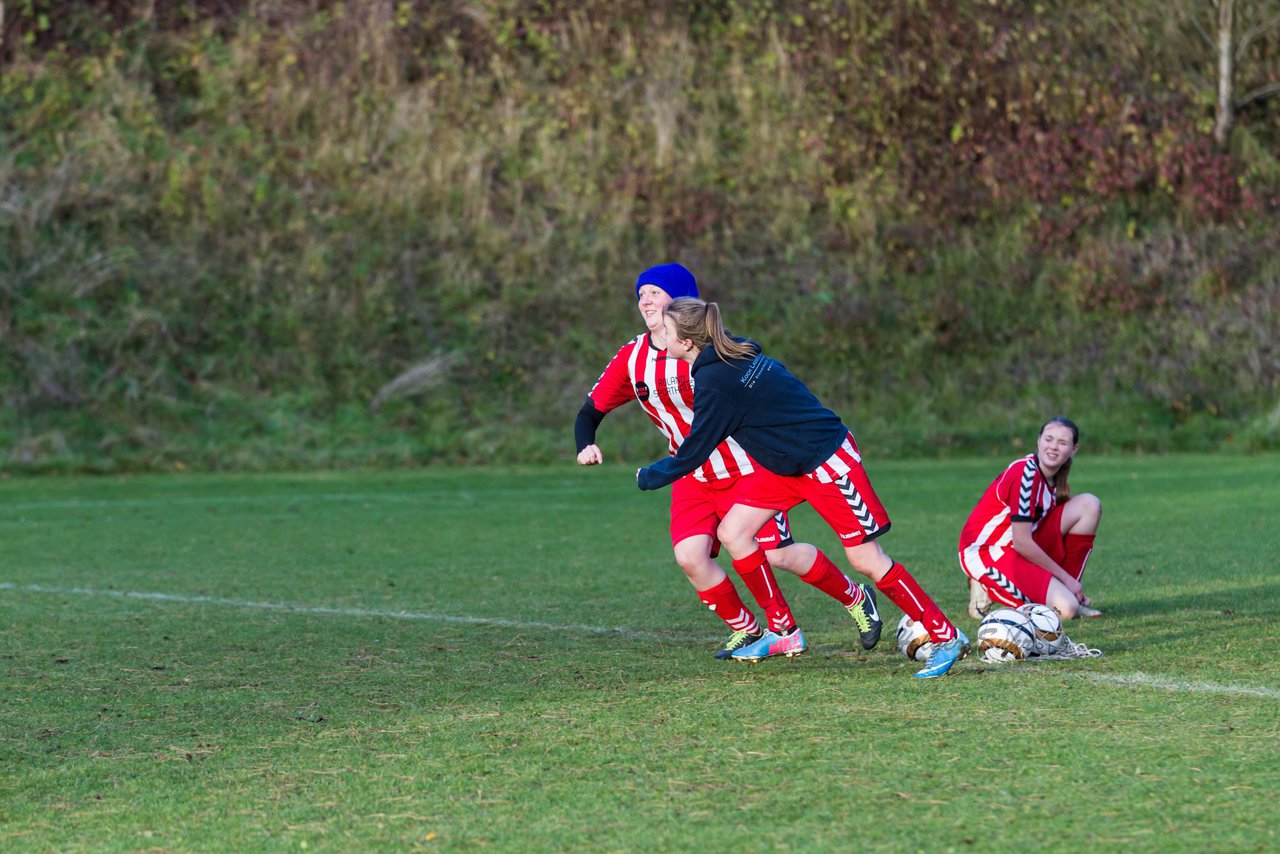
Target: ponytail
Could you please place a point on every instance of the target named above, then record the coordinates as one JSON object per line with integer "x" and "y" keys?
{"x": 1061, "y": 486}
{"x": 699, "y": 321}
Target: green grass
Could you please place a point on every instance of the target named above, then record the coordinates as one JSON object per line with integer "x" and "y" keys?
{"x": 509, "y": 659}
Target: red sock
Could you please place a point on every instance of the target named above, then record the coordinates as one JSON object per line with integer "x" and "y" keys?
{"x": 758, "y": 576}
{"x": 1078, "y": 547}
{"x": 908, "y": 595}
{"x": 723, "y": 599}
{"x": 826, "y": 577}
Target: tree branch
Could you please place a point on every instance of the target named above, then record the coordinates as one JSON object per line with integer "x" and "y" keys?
{"x": 1259, "y": 94}
{"x": 1252, "y": 34}
{"x": 1208, "y": 40}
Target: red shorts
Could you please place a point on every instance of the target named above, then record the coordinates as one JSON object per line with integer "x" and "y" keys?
{"x": 1010, "y": 578}
{"x": 697, "y": 508}
{"x": 848, "y": 504}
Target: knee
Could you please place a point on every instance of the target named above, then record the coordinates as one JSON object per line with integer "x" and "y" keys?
{"x": 736, "y": 537}
{"x": 869, "y": 559}
{"x": 1061, "y": 600}
{"x": 1090, "y": 510}
{"x": 693, "y": 560}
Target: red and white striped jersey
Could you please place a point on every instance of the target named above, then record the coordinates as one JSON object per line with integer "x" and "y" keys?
{"x": 1019, "y": 494}
{"x": 642, "y": 372}
{"x": 838, "y": 464}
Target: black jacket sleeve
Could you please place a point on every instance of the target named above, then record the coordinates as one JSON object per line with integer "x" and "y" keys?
{"x": 713, "y": 422}
{"x": 584, "y": 426}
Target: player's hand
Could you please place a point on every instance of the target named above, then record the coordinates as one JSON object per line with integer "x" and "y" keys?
{"x": 590, "y": 456}
{"x": 1076, "y": 590}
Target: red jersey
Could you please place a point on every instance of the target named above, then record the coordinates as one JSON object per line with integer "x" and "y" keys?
{"x": 642, "y": 372}
{"x": 1019, "y": 494}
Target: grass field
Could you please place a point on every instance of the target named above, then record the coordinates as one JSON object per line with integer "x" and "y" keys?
{"x": 468, "y": 659}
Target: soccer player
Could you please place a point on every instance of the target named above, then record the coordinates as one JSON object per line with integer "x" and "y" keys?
{"x": 1028, "y": 539}
{"x": 641, "y": 371}
{"x": 805, "y": 453}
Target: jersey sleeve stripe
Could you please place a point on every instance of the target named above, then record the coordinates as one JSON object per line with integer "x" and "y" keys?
{"x": 1025, "y": 489}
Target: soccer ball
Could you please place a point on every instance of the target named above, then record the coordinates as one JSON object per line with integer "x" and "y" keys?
{"x": 1006, "y": 635}
{"x": 913, "y": 639}
{"x": 1047, "y": 626}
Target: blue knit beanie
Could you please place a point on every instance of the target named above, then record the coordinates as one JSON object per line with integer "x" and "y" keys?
{"x": 672, "y": 278}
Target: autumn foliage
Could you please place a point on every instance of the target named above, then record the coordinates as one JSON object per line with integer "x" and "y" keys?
{"x": 247, "y": 234}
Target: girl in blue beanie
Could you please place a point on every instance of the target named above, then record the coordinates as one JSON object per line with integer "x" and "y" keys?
{"x": 641, "y": 372}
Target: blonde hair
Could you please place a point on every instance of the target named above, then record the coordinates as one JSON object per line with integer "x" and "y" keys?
{"x": 699, "y": 321}
{"x": 1062, "y": 489}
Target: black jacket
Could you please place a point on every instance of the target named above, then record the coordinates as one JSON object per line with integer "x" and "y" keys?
{"x": 757, "y": 401}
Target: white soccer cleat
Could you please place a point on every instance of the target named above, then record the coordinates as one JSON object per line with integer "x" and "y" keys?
{"x": 979, "y": 601}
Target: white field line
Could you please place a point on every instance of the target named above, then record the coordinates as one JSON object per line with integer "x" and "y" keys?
{"x": 1134, "y": 680}
{"x": 334, "y": 612}
{"x": 1143, "y": 680}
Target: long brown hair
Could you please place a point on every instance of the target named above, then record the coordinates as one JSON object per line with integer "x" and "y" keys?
{"x": 699, "y": 321}
{"x": 1061, "y": 488}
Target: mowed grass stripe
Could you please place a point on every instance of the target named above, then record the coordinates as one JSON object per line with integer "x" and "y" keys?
{"x": 216, "y": 500}
{"x": 1131, "y": 680}
{"x": 419, "y": 495}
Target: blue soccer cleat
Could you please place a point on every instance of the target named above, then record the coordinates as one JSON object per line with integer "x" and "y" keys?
{"x": 771, "y": 644}
{"x": 944, "y": 655}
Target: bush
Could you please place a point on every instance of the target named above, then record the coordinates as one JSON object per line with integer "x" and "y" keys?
{"x": 227, "y": 229}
